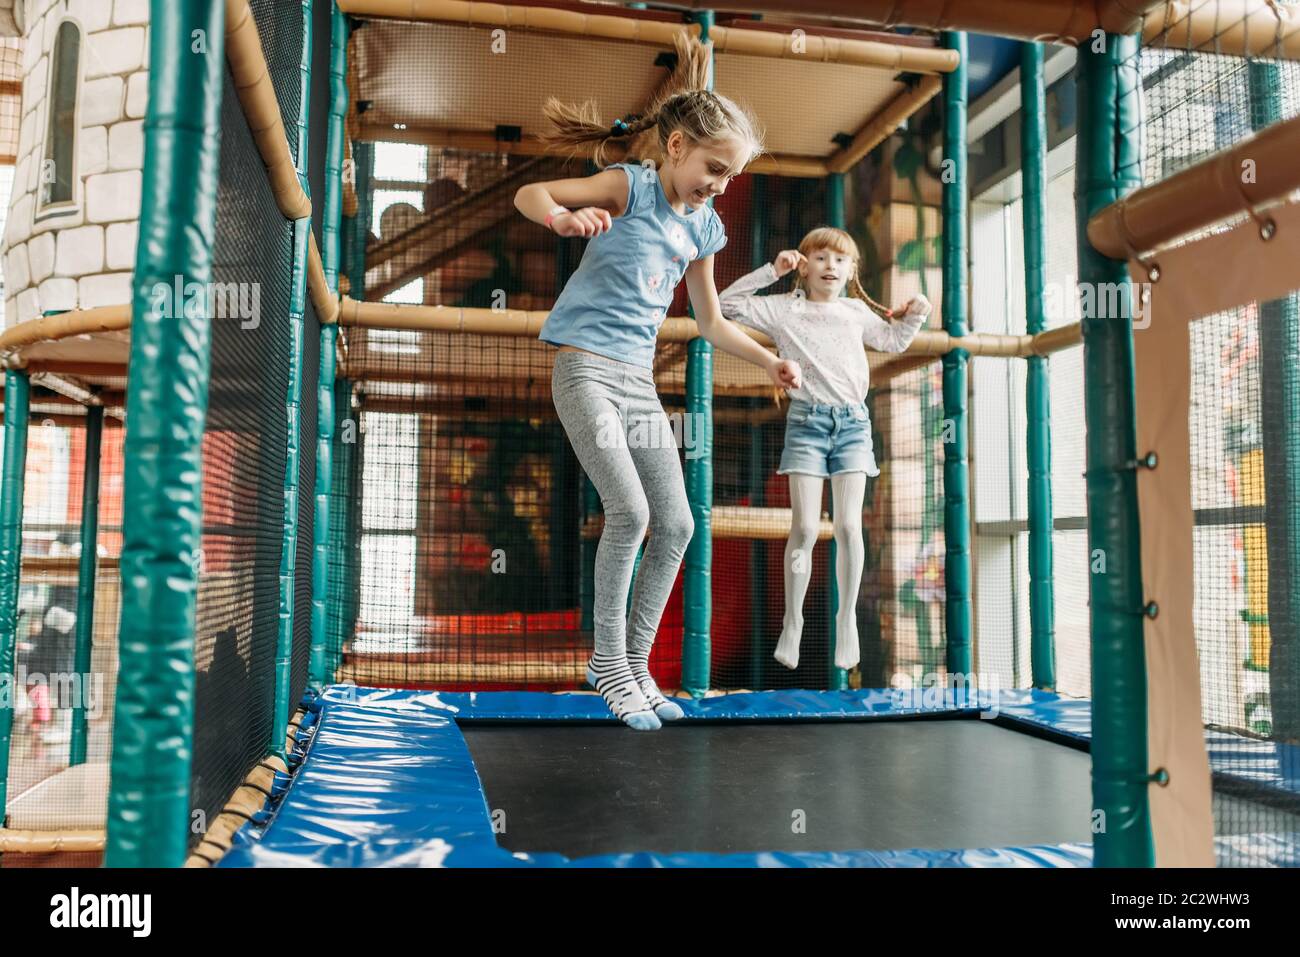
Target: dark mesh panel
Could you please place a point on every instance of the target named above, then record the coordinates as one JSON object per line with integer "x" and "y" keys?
{"x": 243, "y": 474}
{"x": 280, "y": 26}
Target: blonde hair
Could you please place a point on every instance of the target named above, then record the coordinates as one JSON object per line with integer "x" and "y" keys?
{"x": 837, "y": 240}
{"x": 683, "y": 104}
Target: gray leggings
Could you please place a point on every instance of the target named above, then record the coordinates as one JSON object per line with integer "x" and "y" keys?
{"x": 618, "y": 430}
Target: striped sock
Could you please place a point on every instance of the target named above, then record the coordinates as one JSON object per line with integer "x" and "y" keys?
{"x": 640, "y": 665}
{"x": 611, "y": 676}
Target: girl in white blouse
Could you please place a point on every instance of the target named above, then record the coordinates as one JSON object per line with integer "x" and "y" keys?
{"x": 828, "y": 431}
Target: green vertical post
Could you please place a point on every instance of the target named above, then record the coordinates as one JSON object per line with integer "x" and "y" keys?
{"x": 87, "y": 570}
{"x": 1109, "y": 165}
{"x": 758, "y": 227}
{"x": 343, "y": 488}
{"x": 293, "y": 411}
{"x": 1279, "y": 386}
{"x": 12, "y": 483}
{"x": 1038, "y": 409}
{"x": 162, "y": 499}
{"x": 319, "y": 673}
{"x": 332, "y": 219}
{"x": 837, "y": 679}
{"x": 697, "y": 583}
{"x": 956, "y": 471}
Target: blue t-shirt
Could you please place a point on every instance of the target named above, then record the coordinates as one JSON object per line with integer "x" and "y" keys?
{"x": 615, "y": 302}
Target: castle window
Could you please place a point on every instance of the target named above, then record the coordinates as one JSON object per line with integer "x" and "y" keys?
{"x": 58, "y": 170}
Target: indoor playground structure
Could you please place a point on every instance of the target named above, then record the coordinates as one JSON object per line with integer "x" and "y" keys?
{"x": 296, "y": 561}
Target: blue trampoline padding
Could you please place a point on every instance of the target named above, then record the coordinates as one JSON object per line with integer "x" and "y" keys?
{"x": 1035, "y": 707}
{"x": 382, "y": 783}
{"x": 386, "y": 780}
{"x": 1070, "y": 717}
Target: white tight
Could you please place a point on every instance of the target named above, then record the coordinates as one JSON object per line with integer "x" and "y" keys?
{"x": 847, "y": 491}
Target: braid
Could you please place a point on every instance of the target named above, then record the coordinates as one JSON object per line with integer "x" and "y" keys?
{"x": 856, "y": 290}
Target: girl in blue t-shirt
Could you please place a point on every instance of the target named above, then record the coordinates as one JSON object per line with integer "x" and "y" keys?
{"x": 650, "y": 225}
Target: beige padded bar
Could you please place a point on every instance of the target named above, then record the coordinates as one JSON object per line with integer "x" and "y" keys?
{"x": 51, "y": 842}
{"x": 1228, "y": 26}
{"x": 1237, "y": 27}
{"x": 51, "y": 564}
{"x": 1063, "y": 21}
{"x": 64, "y": 326}
{"x": 737, "y": 522}
{"x": 257, "y": 96}
{"x": 249, "y": 798}
{"x": 1201, "y": 195}
{"x": 517, "y": 322}
{"x": 823, "y": 49}
{"x": 615, "y": 26}
{"x": 256, "y": 93}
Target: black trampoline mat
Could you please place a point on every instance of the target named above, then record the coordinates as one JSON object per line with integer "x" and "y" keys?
{"x": 596, "y": 789}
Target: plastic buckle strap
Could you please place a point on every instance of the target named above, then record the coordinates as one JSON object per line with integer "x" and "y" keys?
{"x": 1267, "y": 225}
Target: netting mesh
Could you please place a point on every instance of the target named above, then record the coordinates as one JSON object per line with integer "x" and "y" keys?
{"x": 1244, "y": 566}
{"x": 1245, "y": 450}
{"x": 280, "y": 27}
{"x": 61, "y": 738}
{"x": 244, "y": 450}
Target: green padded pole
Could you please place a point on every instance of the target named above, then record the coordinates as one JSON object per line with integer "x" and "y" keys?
{"x": 1109, "y": 165}
{"x": 18, "y": 390}
{"x": 332, "y": 220}
{"x": 87, "y": 569}
{"x": 697, "y": 582}
{"x": 956, "y": 467}
{"x": 319, "y": 672}
{"x": 1279, "y": 387}
{"x": 293, "y": 411}
{"x": 1038, "y": 396}
{"x": 837, "y": 679}
{"x": 167, "y": 394}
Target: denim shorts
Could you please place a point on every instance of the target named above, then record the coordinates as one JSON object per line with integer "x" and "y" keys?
{"x": 827, "y": 440}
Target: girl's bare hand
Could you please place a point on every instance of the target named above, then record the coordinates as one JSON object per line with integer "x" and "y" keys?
{"x": 588, "y": 221}
{"x": 786, "y": 373}
{"x": 786, "y": 260}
